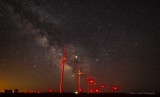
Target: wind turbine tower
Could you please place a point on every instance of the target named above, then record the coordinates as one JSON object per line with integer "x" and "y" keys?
{"x": 63, "y": 62}
{"x": 79, "y": 73}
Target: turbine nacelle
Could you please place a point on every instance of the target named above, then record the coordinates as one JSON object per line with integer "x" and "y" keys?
{"x": 64, "y": 59}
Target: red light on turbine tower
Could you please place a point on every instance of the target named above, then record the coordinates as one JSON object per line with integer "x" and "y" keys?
{"x": 115, "y": 87}
{"x": 38, "y": 92}
{"x": 103, "y": 87}
{"x": 97, "y": 90}
{"x": 80, "y": 90}
{"x": 91, "y": 90}
{"x": 50, "y": 91}
{"x": 92, "y": 84}
{"x": 91, "y": 81}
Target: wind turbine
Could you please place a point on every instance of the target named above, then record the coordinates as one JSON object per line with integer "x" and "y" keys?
{"x": 102, "y": 86}
{"x": 88, "y": 82}
{"x": 63, "y": 62}
{"x": 92, "y": 82}
{"x": 79, "y": 73}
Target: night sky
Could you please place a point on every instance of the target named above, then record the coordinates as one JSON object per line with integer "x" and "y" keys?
{"x": 117, "y": 42}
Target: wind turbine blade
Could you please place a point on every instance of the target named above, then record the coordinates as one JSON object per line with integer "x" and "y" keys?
{"x": 67, "y": 62}
{"x": 65, "y": 52}
{"x": 78, "y": 68}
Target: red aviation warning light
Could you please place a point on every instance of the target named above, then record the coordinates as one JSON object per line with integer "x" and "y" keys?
{"x": 91, "y": 81}
{"x": 96, "y": 90}
{"x": 50, "y": 91}
{"x": 115, "y": 87}
{"x": 38, "y": 92}
{"x": 91, "y": 90}
{"x": 80, "y": 90}
{"x": 102, "y": 86}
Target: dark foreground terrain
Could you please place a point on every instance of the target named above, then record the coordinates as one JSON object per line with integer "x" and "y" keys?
{"x": 80, "y": 95}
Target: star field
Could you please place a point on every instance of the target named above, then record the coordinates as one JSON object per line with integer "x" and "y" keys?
{"x": 115, "y": 42}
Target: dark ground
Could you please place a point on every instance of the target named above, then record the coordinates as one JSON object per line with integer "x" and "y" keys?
{"x": 80, "y": 95}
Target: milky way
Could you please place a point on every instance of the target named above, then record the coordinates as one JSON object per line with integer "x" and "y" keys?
{"x": 115, "y": 42}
